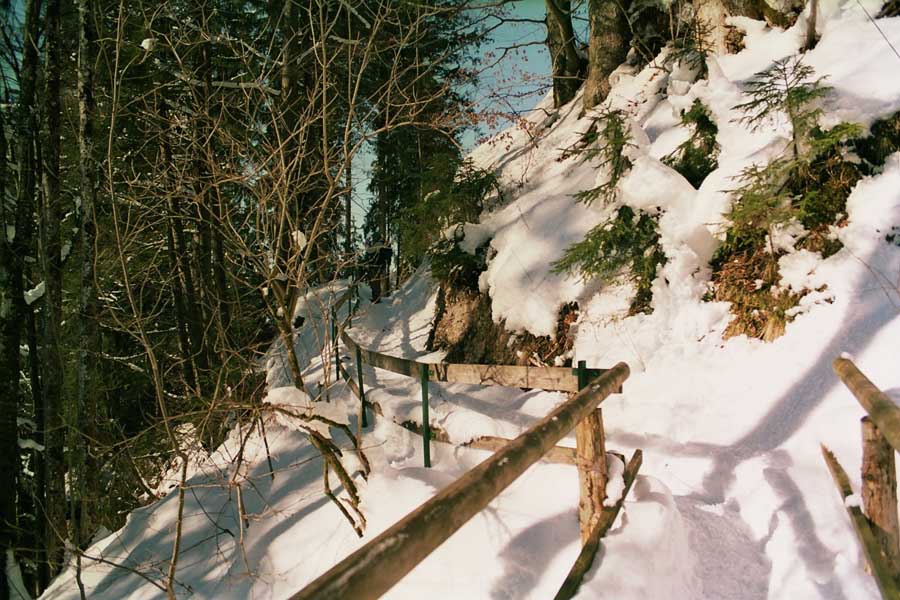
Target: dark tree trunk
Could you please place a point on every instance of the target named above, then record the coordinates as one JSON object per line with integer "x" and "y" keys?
{"x": 566, "y": 63}
{"x": 88, "y": 307}
{"x": 608, "y": 46}
{"x": 10, "y": 334}
{"x": 36, "y": 536}
{"x": 51, "y": 264}
{"x": 19, "y": 247}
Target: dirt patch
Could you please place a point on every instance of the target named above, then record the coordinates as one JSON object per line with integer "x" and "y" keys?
{"x": 760, "y": 308}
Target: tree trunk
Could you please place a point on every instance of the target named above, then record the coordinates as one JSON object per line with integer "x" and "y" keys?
{"x": 21, "y": 246}
{"x": 607, "y": 48}
{"x": 88, "y": 306}
{"x": 51, "y": 264}
{"x": 35, "y": 537}
{"x": 710, "y": 15}
{"x": 348, "y": 212}
{"x": 10, "y": 334}
{"x": 811, "y": 37}
{"x": 567, "y": 65}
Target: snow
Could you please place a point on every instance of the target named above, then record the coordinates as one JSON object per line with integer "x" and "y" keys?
{"x": 27, "y": 444}
{"x": 616, "y": 483}
{"x": 34, "y": 293}
{"x": 733, "y": 499}
{"x": 784, "y": 236}
{"x": 797, "y": 270}
{"x": 15, "y": 584}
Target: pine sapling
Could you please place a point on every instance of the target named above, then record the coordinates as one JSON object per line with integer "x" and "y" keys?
{"x": 614, "y": 135}
{"x": 787, "y": 88}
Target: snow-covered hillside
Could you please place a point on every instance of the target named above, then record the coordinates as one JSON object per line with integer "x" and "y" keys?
{"x": 734, "y": 500}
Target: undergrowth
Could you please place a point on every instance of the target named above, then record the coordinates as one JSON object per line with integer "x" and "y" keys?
{"x": 629, "y": 241}
{"x": 607, "y": 140}
{"x": 808, "y": 184}
{"x": 698, "y": 156}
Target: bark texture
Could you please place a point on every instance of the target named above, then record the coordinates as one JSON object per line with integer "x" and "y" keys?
{"x": 567, "y": 65}
{"x": 610, "y": 37}
{"x": 51, "y": 265}
{"x": 879, "y": 491}
{"x": 85, "y": 416}
{"x": 9, "y": 385}
{"x": 592, "y": 471}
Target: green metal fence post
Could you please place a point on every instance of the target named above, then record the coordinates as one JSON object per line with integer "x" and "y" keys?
{"x": 581, "y": 373}
{"x": 362, "y": 391}
{"x": 426, "y": 429}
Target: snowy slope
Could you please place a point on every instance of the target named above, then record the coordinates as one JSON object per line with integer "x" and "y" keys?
{"x": 734, "y": 500}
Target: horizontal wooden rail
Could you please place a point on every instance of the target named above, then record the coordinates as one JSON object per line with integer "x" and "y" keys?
{"x": 559, "y": 455}
{"x": 561, "y": 379}
{"x": 376, "y": 567}
{"x": 883, "y": 411}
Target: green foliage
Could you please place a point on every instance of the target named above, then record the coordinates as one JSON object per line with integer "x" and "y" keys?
{"x": 884, "y": 140}
{"x": 698, "y": 156}
{"x": 629, "y": 240}
{"x": 454, "y": 267}
{"x": 689, "y": 37}
{"x": 811, "y": 181}
{"x": 454, "y": 194}
{"x": 786, "y": 88}
{"x": 611, "y": 128}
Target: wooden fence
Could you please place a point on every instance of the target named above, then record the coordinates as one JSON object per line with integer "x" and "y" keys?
{"x": 376, "y": 567}
{"x": 876, "y": 524}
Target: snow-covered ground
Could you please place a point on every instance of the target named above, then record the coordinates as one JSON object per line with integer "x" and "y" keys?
{"x": 733, "y": 500}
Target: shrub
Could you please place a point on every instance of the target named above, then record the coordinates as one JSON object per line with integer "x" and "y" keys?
{"x": 811, "y": 180}
{"x": 629, "y": 240}
{"x": 611, "y": 129}
{"x": 698, "y": 156}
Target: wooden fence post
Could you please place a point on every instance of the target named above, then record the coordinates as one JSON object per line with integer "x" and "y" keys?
{"x": 590, "y": 457}
{"x": 426, "y": 429}
{"x": 872, "y": 550}
{"x": 879, "y": 492}
{"x": 362, "y": 390}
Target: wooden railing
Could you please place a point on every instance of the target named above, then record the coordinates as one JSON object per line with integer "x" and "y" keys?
{"x": 876, "y": 524}
{"x": 376, "y": 567}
